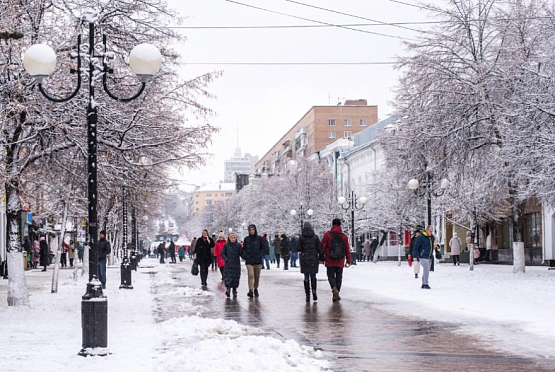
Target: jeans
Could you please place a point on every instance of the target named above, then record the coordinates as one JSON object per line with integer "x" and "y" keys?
{"x": 335, "y": 277}
{"x": 425, "y": 262}
{"x": 102, "y": 270}
{"x": 203, "y": 269}
{"x": 294, "y": 258}
{"x": 267, "y": 261}
{"x": 308, "y": 277}
{"x": 254, "y": 276}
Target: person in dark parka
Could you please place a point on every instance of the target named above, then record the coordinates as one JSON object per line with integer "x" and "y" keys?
{"x": 231, "y": 254}
{"x": 203, "y": 255}
{"x": 285, "y": 247}
{"x": 43, "y": 252}
{"x": 311, "y": 254}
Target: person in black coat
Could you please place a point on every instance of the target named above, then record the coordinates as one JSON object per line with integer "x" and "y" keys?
{"x": 231, "y": 254}
{"x": 203, "y": 255}
{"x": 285, "y": 247}
{"x": 311, "y": 255}
{"x": 43, "y": 252}
{"x": 253, "y": 251}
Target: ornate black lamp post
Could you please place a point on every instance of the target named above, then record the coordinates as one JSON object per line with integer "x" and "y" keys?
{"x": 40, "y": 61}
{"x": 302, "y": 214}
{"x": 352, "y": 203}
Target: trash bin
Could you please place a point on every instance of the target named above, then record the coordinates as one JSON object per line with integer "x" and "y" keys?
{"x": 25, "y": 266}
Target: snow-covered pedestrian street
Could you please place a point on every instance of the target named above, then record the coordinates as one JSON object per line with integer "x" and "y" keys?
{"x": 384, "y": 322}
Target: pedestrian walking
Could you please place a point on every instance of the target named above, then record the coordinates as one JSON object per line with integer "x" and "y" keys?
{"x": 358, "y": 246}
{"x": 366, "y": 250}
{"x": 80, "y": 252}
{"x": 203, "y": 255}
{"x": 266, "y": 253}
{"x": 455, "y": 244}
{"x": 424, "y": 250}
{"x": 161, "y": 250}
{"x": 253, "y": 250}
{"x": 231, "y": 254}
{"x": 272, "y": 250}
{"x": 214, "y": 266}
{"x": 36, "y": 254}
{"x": 104, "y": 250}
{"x": 336, "y": 250}
{"x": 285, "y": 247}
{"x": 181, "y": 253}
{"x": 192, "y": 248}
{"x": 294, "y": 253}
{"x": 218, "y": 253}
{"x": 311, "y": 255}
{"x": 413, "y": 254}
{"x": 65, "y": 249}
{"x": 43, "y": 253}
{"x": 71, "y": 252}
{"x": 277, "y": 248}
{"x": 373, "y": 247}
{"x": 172, "y": 252}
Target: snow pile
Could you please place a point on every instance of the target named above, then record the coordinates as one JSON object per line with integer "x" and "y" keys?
{"x": 217, "y": 344}
{"x": 510, "y": 312}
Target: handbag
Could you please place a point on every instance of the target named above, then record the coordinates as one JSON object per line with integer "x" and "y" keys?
{"x": 438, "y": 254}
{"x": 194, "y": 269}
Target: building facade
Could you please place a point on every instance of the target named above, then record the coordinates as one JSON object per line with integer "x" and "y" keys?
{"x": 239, "y": 164}
{"x": 208, "y": 195}
{"x": 320, "y": 126}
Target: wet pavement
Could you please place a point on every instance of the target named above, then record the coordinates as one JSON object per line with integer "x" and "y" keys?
{"x": 356, "y": 335}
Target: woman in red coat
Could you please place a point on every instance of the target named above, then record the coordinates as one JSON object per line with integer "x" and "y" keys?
{"x": 218, "y": 253}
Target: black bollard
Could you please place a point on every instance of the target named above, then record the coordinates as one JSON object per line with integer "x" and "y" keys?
{"x": 125, "y": 274}
{"x": 133, "y": 261}
{"x": 94, "y": 321}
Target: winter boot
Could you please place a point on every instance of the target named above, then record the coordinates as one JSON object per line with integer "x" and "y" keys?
{"x": 335, "y": 292}
{"x": 313, "y": 284}
{"x": 307, "y": 290}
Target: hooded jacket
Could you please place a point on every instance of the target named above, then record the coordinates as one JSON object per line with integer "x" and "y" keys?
{"x": 326, "y": 245}
{"x": 423, "y": 246}
{"x": 310, "y": 250}
{"x": 253, "y": 248}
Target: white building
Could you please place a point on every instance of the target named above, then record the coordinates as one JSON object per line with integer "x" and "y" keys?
{"x": 239, "y": 164}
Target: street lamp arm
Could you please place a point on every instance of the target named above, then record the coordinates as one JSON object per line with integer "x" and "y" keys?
{"x": 113, "y": 96}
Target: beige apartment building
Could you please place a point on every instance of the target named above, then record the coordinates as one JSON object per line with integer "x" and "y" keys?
{"x": 208, "y": 195}
{"x": 320, "y": 126}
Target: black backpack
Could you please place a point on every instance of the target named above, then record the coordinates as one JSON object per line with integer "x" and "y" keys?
{"x": 337, "y": 249}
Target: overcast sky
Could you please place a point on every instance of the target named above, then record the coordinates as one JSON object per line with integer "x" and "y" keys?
{"x": 263, "y": 102}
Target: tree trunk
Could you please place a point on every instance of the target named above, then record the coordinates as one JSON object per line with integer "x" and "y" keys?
{"x": 18, "y": 295}
{"x": 519, "y": 260}
{"x": 56, "y": 273}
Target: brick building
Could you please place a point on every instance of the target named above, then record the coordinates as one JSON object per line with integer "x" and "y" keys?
{"x": 320, "y": 126}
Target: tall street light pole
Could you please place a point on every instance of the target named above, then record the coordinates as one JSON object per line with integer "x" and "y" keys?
{"x": 40, "y": 61}
{"x": 352, "y": 203}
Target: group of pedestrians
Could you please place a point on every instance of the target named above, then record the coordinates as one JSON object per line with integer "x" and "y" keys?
{"x": 332, "y": 250}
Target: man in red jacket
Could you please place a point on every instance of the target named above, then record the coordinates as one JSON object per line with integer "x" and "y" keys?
{"x": 336, "y": 250}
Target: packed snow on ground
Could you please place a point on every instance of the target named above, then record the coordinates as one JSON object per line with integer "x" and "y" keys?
{"x": 47, "y": 334}
{"x": 510, "y": 312}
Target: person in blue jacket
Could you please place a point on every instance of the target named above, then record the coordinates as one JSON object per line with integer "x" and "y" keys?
{"x": 424, "y": 251}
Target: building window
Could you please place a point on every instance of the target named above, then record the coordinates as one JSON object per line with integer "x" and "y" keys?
{"x": 363, "y": 122}
{"x": 347, "y": 122}
{"x": 331, "y": 122}
{"x": 332, "y": 135}
{"x": 347, "y": 134}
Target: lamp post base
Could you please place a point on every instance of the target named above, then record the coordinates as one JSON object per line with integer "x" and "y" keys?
{"x": 126, "y": 279}
{"x": 94, "y": 321}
